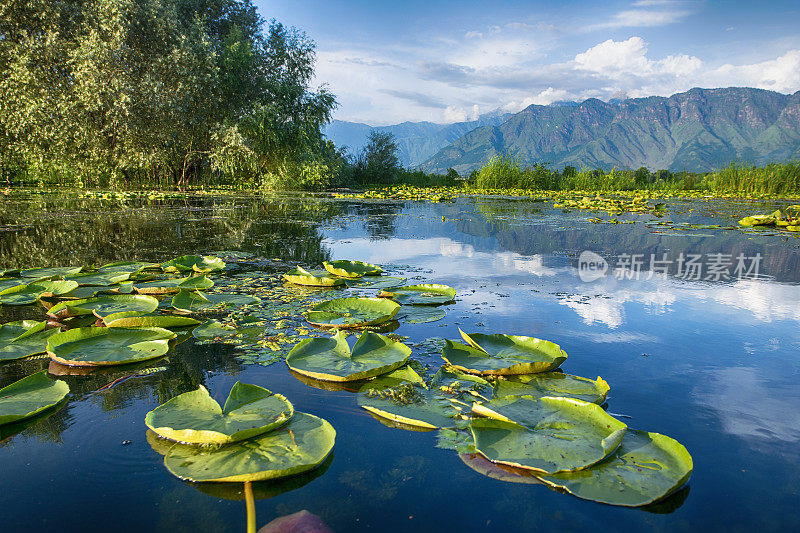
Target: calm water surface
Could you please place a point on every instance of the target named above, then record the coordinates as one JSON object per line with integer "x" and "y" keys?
{"x": 710, "y": 361}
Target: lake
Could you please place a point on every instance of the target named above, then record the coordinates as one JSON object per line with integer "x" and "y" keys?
{"x": 694, "y": 327}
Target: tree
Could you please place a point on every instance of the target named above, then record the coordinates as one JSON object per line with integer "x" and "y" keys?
{"x": 377, "y": 162}
{"x": 641, "y": 176}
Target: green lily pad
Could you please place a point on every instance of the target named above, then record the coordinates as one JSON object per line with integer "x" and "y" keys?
{"x": 8, "y": 283}
{"x": 425, "y": 294}
{"x": 646, "y": 467}
{"x": 103, "y": 306}
{"x": 127, "y": 267}
{"x": 418, "y": 314}
{"x": 30, "y": 396}
{"x": 404, "y": 397}
{"x": 211, "y": 329}
{"x": 352, "y": 312}
{"x": 168, "y": 286}
{"x": 498, "y": 471}
{"x": 196, "y": 418}
{"x": 758, "y": 220}
{"x": 383, "y": 282}
{"x": 553, "y": 384}
{"x": 195, "y": 302}
{"x": 351, "y": 269}
{"x": 547, "y": 435}
{"x": 32, "y": 292}
{"x": 90, "y": 291}
{"x": 108, "y": 346}
{"x": 50, "y": 272}
{"x": 98, "y": 279}
{"x": 194, "y": 263}
{"x": 312, "y": 278}
{"x": 331, "y": 359}
{"x": 23, "y": 339}
{"x": 296, "y": 447}
{"x": 133, "y": 319}
{"x": 500, "y": 354}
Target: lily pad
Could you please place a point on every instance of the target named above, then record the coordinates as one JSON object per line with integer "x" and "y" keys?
{"x": 646, "y": 467}
{"x": 403, "y": 396}
{"x": 498, "y": 471}
{"x": 133, "y": 319}
{"x": 30, "y": 293}
{"x": 108, "y": 346}
{"x": 211, "y": 329}
{"x": 98, "y": 279}
{"x": 296, "y": 447}
{"x": 194, "y": 302}
{"x": 352, "y": 269}
{"x": 103, "y": 306}
{"x": 194, "y": 263}
{"x": 196, "y": 418}
{"x": 547, "y": 435}
{"x": 553, "y": 384}
{"x": 50, "y": 272}
{"x": 383, "y": 282}
{"x": 127, "y": 267}
{"x": 23, "y": 339}
{"x": 331, "y": 359}
{"x": 418, "y": 314}
{"x": 500, "y": 354}
{"x": 312, "y": 278}
{"x": 168, "y": 286}
{"x": 425, "y": 294}
{"x": 30, "y": 396}
{"x": 352, "y": 312}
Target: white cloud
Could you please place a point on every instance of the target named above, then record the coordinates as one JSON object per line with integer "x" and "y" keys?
{"x": 545, "y": 97}
{"x": 780, "y": 74}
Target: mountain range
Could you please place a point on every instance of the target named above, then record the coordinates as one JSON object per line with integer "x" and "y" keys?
{"x": 697, "y": 130}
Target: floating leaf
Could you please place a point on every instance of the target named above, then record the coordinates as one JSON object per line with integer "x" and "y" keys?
{"x": 127, "y": 267}
{"x": 351, "y": 269}
{"x": 500, "y": 354}
{"x": 498, "y": 471}
{"x": 417, "y": 314}
{"x": 167, "y": 286}
{"x": 211, "y": 329}
{"x": 331, "y": 359}
{"x": 195, "y": 263}
{"x": 312, "y": 278}
{"x": 98, "y": 279}
{"x": 298, "y": 446}
{"x": 30, "y": 293}
{"x": 425, "y": 294}
{"x": 553, "y": 384}
{"x": 352, "y": 312}
{"x": 29, "y": 396}
{"x": 50, "y": 272}
{"x": 547, "y": 435}
{"x": 132, "y": 319}
{"x": 645, "y": 468}
{"x": 108, "y": 346}
{"x": 23, "y": 339}
{"x": 193, "y": 302}
{"x": 102, "y": 306}
{"x": 383, "y": 282}
{"x": 196, "y": 418}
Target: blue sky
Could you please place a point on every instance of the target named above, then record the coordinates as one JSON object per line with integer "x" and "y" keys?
{"x": 447, "y": 61}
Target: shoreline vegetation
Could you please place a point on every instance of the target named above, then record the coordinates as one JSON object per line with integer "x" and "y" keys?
{"x": 207, "y": 95}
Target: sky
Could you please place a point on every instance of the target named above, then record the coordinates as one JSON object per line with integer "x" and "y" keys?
{"x": 448, "y": 61}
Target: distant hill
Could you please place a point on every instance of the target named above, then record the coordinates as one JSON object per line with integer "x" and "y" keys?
{"x": 416, "y": 141}
{"x": 700, "y": 129}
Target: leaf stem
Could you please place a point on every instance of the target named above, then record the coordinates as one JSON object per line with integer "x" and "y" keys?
{"x": 251, "y": 507}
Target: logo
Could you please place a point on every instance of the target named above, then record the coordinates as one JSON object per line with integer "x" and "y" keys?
{"x": 591, "y": 266}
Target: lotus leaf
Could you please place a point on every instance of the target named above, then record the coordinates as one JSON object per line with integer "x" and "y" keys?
{"x": 425, "y": 294}
{"x": 128, "y": 267}
{"x": 498, "y": 471}
{"x": 645, "y": 468}
{"x": 547, "y": 435}
{"x": 13, "y": 282}
{"x": 500, "y": 354}
{"x": 133, "y": 319}
{"x": 298, "y": 446}
{"x": 108, "y": 346}
{"x": 89, "y": 291}
{"x": 30, "y": 293}
{"x": 103, "y": 306}
{"x": 196, "y": 263}
{"x": 30, "y": 396}
{"x": 352, "y": 312}
{"x": 98, "y": 279}
{"x": 50, "y": 272}
{"x": 312, "y": 278}
{"x": 196, "y": 418}
{"x": 211, "y": 329}
{"x": 331, "y": 359}
{"x": 23, "y": 339}
{"x": 402, "y": 396}
{"x": 166, "y": 286}
{"x": 193, "y": 302}
{"x": 553, "y": 384}
{"x": 352, "y": 269}
{"x": 417, "y": 314}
